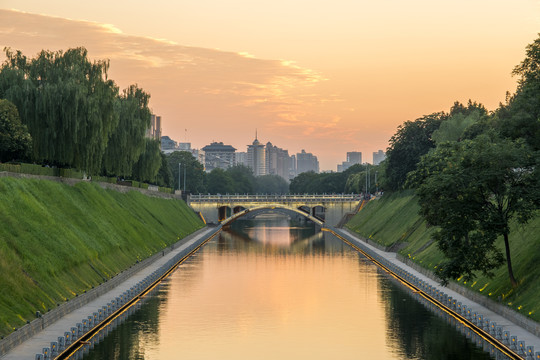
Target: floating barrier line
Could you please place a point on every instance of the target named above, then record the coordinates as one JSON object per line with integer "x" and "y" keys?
{"x": 85, "y": 339}
{"x": 479, "y": 331}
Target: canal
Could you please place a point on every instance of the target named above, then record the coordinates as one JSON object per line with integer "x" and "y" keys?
{"x": 272, "y": 289}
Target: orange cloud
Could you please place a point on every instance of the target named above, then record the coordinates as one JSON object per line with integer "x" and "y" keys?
{"x": 216, "y": 95}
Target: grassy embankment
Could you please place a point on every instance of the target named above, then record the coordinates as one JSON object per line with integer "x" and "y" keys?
{"x": 57, "y": 240}
{"x": 393, "y": 220}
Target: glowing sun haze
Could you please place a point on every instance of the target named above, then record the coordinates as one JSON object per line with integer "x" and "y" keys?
{"x": 325, "y": 76}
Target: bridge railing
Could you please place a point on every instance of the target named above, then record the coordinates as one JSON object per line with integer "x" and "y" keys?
{"x": 274, "y": 198}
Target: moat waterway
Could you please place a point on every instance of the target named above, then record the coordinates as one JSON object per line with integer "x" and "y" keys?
{"x": 270, "y": 288}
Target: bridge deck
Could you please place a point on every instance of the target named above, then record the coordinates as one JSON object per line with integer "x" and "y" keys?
{"x": 274, "y": 198}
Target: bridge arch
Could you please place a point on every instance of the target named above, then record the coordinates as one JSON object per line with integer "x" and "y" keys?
{"x": 319, "y": 212}
{"x": 224, "y": 212}
{"x": 271, "y": 207}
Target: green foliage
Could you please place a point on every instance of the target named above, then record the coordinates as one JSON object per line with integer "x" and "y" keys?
{"x": 127, "y": 140}
{"x": 58, "y": 240}
{"x": 164, "y": 176}
{"x": 219, "y": 181}
{"x": 147, "y": 167}
{"x": 454, "y": 127}
{"x": 243, "y": 179}
{"x": 520, "y": 117}
{"x": 472, "y": 190}
{"x": 15, "y": 141}
{"x": 412, "y": 140}
{"x": 194, "y": 172}
{"x": 325, "y": 183}
{"x": 394, "y": 221}
{"x": 271, "y": 184}
{"x": 66, "y": 101}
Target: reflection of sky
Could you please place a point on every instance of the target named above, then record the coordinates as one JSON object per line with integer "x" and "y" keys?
{"x": 243, "y": 298}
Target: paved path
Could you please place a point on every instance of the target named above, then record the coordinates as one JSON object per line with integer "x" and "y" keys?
{"x": 34, "y": 345}
{"x": 515, "y": 330}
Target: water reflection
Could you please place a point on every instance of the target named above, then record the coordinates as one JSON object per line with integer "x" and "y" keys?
{"x": 418, "y": 333}
{"x": 269, "y": 288}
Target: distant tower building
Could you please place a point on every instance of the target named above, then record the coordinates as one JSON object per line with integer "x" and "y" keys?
{"x": 378, "y": 157}
{"x": 292, "y": 167}
{"x": 277, "y": 161}
{"x": 218, "y": 155}
{"x": 241, "y": 158}
{"x": 154, "y": 131}
{"x": 167, "y": 143}
{"x": 353, "y": 157}
{"x": 306, "y": 162}
{"x": 184, "y": 146}
{"x": 256, "y": 157}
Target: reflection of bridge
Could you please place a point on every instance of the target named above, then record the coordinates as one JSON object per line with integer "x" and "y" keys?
{"x": 318, "y": 208}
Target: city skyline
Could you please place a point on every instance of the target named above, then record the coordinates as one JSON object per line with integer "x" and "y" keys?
{"x": 325, "y": 77}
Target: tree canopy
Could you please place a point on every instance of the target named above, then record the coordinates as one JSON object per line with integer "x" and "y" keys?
{"x": 412, "y": 140}
{"x": 472, "y": 190}
{"x": 15, "y": 141}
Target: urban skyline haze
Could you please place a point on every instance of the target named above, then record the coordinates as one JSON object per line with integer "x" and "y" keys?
{"x": 327, "y": 77}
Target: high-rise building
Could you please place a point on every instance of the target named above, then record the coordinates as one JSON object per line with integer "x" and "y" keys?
{"x": 277, "y": 161}
{"x": 292, "y": 167}
{"x": 353, "y": 157}
{"x": 219, "y": 155}
{"x": 256, "y": 158}
{"x": 154, "y": 131}
{"x": 378, "y": 157}
{"x": 306, "y": 162}
{"x": 241, "y": 158}
{"x": 167, "y": 143}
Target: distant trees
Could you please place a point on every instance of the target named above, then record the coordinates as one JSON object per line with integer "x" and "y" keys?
{"x": 325, "y": 183}
{"x": 271, "y": 184}
{"x": 195, "y": 175}
{"x": 15, "y": 141}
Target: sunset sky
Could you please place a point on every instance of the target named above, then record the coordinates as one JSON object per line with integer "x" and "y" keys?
{"x": 325, "y": 76}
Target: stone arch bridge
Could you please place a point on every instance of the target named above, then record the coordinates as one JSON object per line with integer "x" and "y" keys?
{"x": 329, "y": 209}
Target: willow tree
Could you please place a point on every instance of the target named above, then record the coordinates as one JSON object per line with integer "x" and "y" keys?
{"x": 67, "y": 102}
{"x": 127, "y": 141}
{"x": 147, "y": 167}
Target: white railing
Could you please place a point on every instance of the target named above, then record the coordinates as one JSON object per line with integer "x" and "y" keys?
{"x": 274, "y": 198}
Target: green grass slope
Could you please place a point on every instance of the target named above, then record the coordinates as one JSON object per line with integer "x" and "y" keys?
{"x": 57, "y": 240}
{"x": 393, "y": 221}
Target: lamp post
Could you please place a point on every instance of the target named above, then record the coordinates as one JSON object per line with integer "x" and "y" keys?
{"x": 185, "y": 178}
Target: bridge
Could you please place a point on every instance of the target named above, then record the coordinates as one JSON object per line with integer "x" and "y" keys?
{"x": 329, "y": 209}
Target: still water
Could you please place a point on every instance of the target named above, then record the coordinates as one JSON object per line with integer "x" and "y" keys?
{"x": 271, "y": 289}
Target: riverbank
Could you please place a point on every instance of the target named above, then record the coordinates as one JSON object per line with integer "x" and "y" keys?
{"x": 511, "y": 334}
{"x": 60, "y": 240}
{"x": 102, "y": 297}
{"x": 392, "y": 223}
